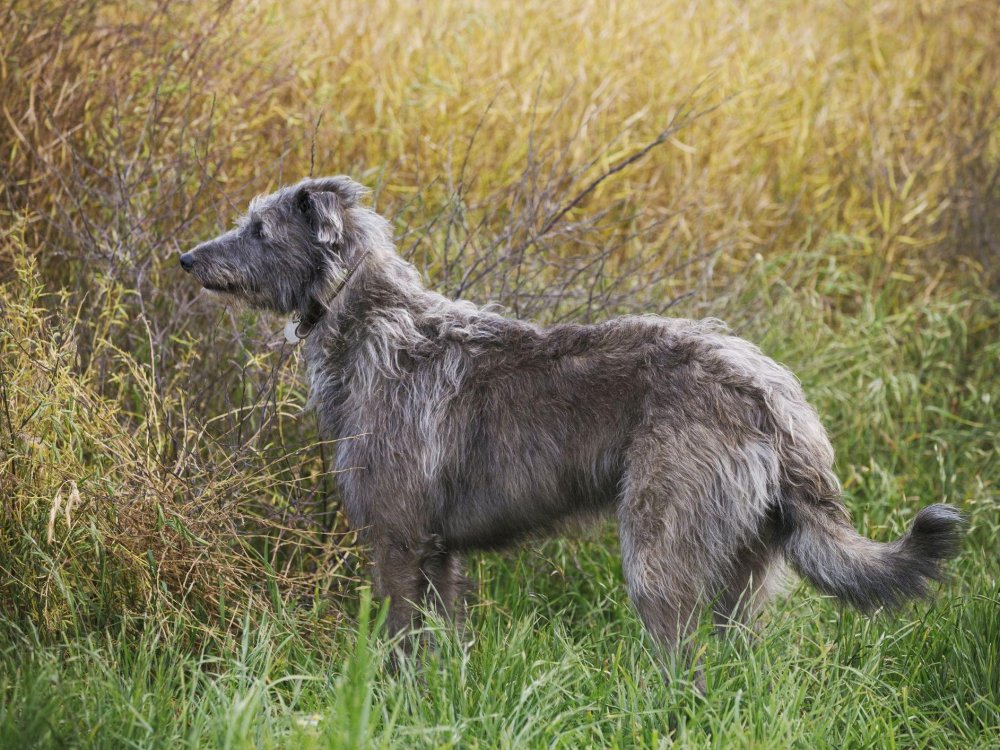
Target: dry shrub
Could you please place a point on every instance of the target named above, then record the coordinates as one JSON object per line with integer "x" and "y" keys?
{"x": 118, "y": 500}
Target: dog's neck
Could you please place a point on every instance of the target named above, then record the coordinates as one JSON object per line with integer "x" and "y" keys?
{"x": 382, "y": 287}
{"x": 382, "y": 319}
{"x": 299, "y": 328}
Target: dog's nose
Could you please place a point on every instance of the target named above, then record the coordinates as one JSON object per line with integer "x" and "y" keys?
{"x": 187, "y": 261}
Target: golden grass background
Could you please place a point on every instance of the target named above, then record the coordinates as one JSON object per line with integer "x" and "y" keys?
{"x": 872, "y": 120}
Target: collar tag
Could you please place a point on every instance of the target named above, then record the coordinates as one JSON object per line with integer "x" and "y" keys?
{"x": 291, "y": 331}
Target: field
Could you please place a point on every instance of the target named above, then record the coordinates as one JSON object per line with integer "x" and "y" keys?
{"x": 174, "y": 571}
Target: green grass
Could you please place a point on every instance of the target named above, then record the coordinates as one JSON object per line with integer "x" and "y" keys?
{"x": 544, "y": 667}
{"x": 553, "y": 656}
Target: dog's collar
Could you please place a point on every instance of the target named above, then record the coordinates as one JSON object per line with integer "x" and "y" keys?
{"x": 297, "y": 329}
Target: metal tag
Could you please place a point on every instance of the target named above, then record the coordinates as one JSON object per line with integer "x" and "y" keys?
{"x": 290, "y": 332}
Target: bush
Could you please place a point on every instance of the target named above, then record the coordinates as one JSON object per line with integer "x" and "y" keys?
{"x": 119, "y": 501}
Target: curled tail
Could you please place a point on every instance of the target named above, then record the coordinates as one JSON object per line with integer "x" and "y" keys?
{"x": 826, "y": 550}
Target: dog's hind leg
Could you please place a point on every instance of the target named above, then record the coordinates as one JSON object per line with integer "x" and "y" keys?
{"x": 670, "y": 618}
{"x": 690, "y": 501}
{"x": 746, "y": 587}
{"x": 669, "y": 609}
{"x": 664, "y": 569}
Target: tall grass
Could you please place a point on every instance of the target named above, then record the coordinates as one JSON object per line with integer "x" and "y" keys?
{"x": 173, "y": 568}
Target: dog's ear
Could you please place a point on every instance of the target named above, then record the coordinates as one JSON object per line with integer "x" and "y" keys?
{"x": 324, "y": 210}
{"x": 347, "y": 190}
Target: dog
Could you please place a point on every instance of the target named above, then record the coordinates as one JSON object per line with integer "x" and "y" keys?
{"x": 471, "y": 430}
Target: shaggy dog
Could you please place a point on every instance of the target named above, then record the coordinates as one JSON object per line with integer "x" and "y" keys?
{"x": 472, "y": 430}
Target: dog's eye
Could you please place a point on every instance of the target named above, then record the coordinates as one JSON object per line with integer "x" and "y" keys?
{"x": 257, "y": 230}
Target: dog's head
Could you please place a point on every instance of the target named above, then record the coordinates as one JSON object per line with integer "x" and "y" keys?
{"x": 289, "y": 252}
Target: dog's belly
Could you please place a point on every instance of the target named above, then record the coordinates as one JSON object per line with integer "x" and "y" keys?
{"x": 504, "y": 504}
{"x": 505, "y": 526}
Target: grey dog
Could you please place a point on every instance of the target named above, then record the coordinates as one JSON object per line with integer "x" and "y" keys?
{"x": 472, "y": 430}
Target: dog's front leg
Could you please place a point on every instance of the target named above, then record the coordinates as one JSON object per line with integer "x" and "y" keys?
{"x": 446, "y": 585}
{"x": 399, "y": 580}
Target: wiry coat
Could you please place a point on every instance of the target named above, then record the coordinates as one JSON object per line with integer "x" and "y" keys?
{"x": 462, "y": 429}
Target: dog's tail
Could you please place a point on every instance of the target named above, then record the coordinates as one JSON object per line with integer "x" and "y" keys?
{"x": 823, "y": 547}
